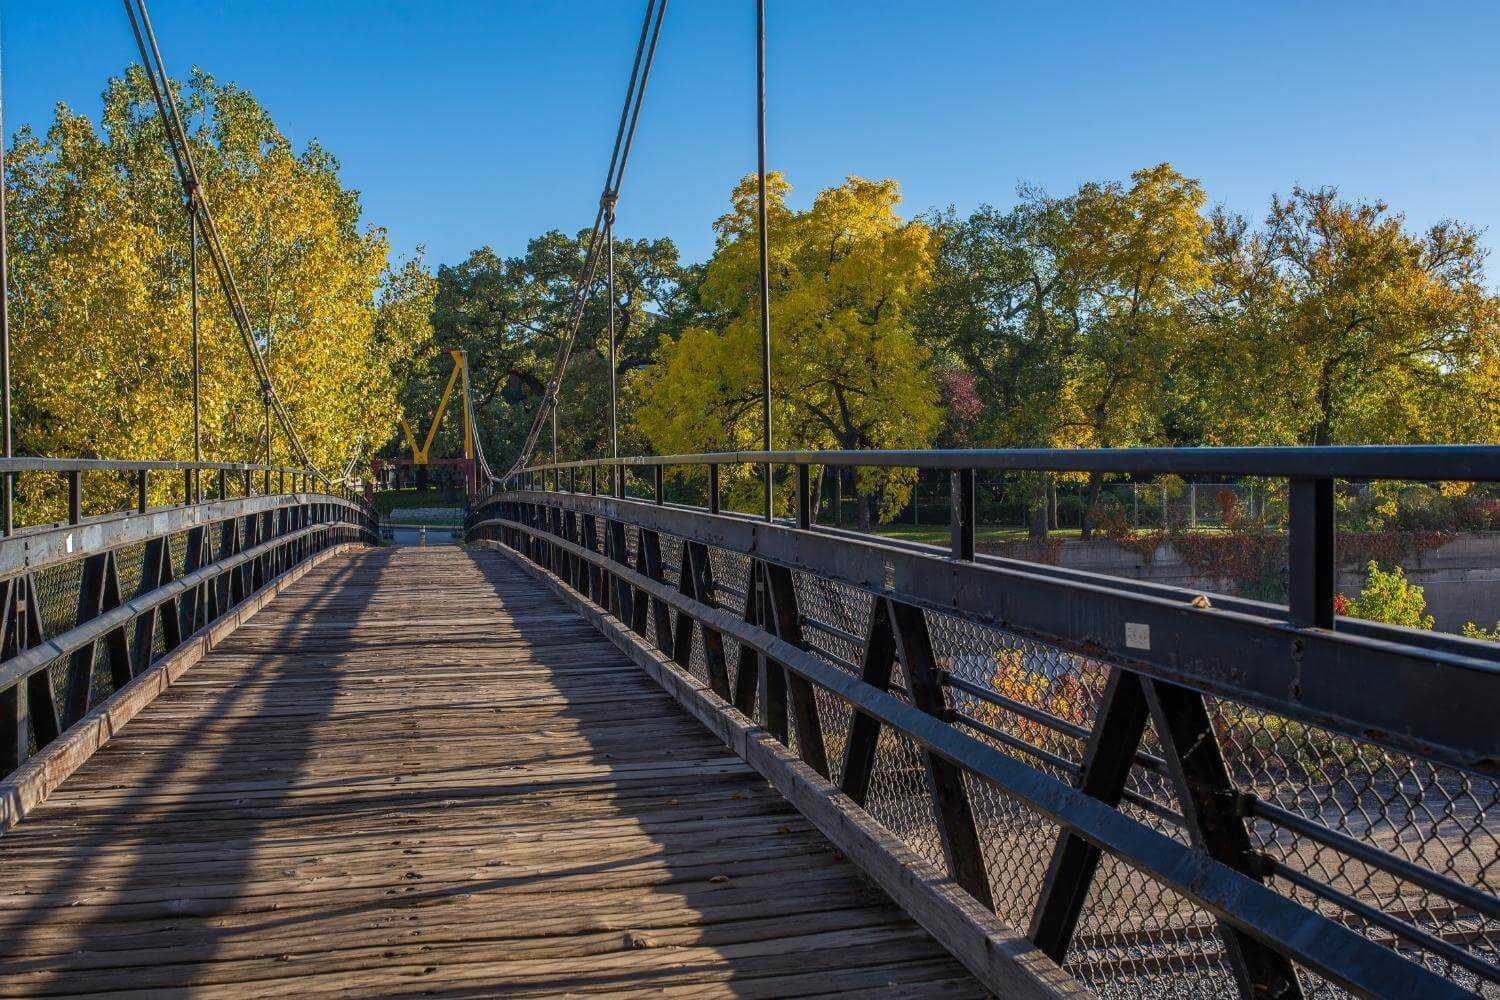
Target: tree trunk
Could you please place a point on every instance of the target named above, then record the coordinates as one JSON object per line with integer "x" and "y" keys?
{"x": 1086, "y": 527}
{"x": 1052, "y": 520}
{"x": 1036, "y": 513}
{"x": 862, "y": 511}
{"x": 1323, "y": 432}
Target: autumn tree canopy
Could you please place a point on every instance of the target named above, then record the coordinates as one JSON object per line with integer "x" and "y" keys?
{"x": 848, "y": 367}
{"x": 100, "y": 304}
{"x": 1335, "y": 324}
{"x": 1120, "y": 313}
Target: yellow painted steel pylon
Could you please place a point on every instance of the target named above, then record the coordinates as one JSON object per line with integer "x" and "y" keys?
{"x": 419, "y": 454}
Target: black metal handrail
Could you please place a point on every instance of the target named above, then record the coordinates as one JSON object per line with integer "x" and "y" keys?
{"x": 88, "y": 604}
{"x": 1317, "y": 784}
{"x": 34, "y": 464}
{"x": 1457, "y": 462}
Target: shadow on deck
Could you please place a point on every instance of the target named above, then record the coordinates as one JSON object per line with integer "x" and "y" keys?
{"x": 417, "y": 772}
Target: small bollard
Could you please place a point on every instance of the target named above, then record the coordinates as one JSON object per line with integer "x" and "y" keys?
{"x": 422, "y": 536}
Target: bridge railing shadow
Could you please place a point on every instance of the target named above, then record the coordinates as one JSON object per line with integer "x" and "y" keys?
{"x": 171, "y": 847}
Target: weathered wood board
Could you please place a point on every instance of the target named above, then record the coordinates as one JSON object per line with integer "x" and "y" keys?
{"x": 418, "y": 772}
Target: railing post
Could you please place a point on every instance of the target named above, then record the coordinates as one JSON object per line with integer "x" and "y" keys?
{"x": 187, "y": 487}
{"x": 1209, "y": 800}
{"x": 659, "y": 481}
{"x": 713, "y": 489}
{"x": 956, "y": 827}
{"x": 140, "y": 490}
{"x": 75, "y": 496}
{"x": 784, "y": 618}
{"x": 1107, "y": 760}
{"x": 864, "y": 730}
{"x": 594, "y": 480}
{"x": 961, "y": 515}
{"x": 696, "y": 580}
{"x": 804, "y": 497}
{"x": 1312, "y": 570}
{"x": 223, "y": 485}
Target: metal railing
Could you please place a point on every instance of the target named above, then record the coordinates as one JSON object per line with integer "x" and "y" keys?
{"x": 1171, "y": 792}
{"x": 89, "y": 603}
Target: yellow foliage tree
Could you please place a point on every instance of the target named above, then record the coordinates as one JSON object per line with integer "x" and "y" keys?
{"x": 848, "y": 369}
{"x": 101, "y": 294}
{"x": 1336, "y": 324}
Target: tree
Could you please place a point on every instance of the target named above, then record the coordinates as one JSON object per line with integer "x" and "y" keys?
{"x": 848, "y": 368}
{"x": 1334, "y": 324}
{"x": 1388, "y": 597}
{"x": 1069, "y": 311}
{"x": 509, "y": 314}
{"x": 100, "y": 307}
{"x": 1134, "y": 256}
{"x": 1000, "y": 305}
{"x": 403, "y": 331}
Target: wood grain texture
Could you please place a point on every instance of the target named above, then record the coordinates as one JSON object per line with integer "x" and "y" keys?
{"x": 418, "y": 772}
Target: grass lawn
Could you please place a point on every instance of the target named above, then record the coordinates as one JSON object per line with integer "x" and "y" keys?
{"x": 430, "y": 518}
{"x": 389, "y": 500}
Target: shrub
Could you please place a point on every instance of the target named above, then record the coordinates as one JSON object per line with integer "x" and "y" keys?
{"x": 1472, "y": 631}
{"x": 1249, "y": 555}
{"x": 1114, "y": 524}
{"x": 1390, "y": 598}
{"x": 1479, "y": 514}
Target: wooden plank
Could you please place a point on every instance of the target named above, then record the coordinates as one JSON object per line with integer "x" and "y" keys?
{"x": 29, "y": 786}
{"x": 418, "y": 771}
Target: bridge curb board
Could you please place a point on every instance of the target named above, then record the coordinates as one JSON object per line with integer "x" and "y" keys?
{"x": 998, "y": 955}
{"x": 30, "y": 785}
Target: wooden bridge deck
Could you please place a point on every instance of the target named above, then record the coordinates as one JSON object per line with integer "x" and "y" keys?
{"x": 416, "y": 772}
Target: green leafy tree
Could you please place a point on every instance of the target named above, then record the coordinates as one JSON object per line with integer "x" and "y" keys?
{"x": 1136, "y": 255}
{"x": 1391, "y": 598}
{"x": 509, "y": 314}
{"x": 1335, "y": 324}
{"x": 1069, "y": 311}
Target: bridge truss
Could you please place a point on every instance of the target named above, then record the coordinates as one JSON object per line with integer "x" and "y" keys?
{"x": 1164, "y": 791}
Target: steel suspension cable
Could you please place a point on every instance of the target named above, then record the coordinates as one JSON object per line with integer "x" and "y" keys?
{"x": 624, "y": 137}
{"x": 187, "y": 170}
{"x": 763, "y": 237}
{"x": 477, "y": 442}
{"x": 7, "y": 442}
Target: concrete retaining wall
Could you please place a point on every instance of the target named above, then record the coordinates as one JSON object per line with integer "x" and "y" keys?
{"x": 1461, "y": 580}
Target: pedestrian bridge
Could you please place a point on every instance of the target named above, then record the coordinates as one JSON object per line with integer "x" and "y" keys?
{"x": 623, "y": 743}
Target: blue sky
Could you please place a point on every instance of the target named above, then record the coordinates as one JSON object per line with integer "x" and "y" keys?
{"x": 466, "y": 123}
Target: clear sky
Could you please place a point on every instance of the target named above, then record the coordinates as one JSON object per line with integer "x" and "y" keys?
{"x": 466, "y": 123}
